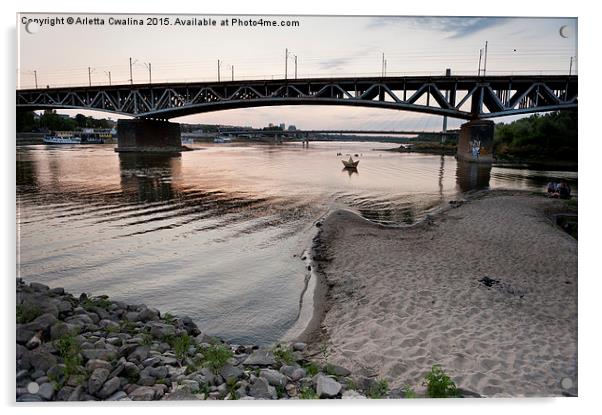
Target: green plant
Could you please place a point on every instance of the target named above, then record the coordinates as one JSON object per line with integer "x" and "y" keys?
{"x": 280, "y": 391}
{"x": 351, "y": 385}
{"x": 127, "y": 326}
{"x": 439, "y": 384}
{"x": 307, "y": 392}
{"x": 27, "y": 312}
{"x": 231, "y": 383}
{"x": 181, "y": 344}
{"x": 216, "y": 356}
{"x": 325, "y": 354}
{"x": 68, "y": 349}
{"x": 284, "y": 355}
{"x": 147, "y": 339}
{"x": 311, "y": 368}
{"x": 169, "y": 318}
{"x": 408, "y": 392}
{"x": 90, "y": 303}
{"x": 379, "y": 390}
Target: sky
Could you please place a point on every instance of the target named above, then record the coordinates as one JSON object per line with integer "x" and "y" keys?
{"x": 324, "y": 46}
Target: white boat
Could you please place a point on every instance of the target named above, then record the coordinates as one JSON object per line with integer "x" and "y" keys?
{"x": 62, "y": 139}
{"x": 222, "y": 139}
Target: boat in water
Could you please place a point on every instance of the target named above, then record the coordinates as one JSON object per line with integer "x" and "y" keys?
{"x": 350, "y": 164}
{"x": 58, "y": 138}
{"x": 221, "y": 139}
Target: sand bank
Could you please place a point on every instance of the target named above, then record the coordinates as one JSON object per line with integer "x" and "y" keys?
{"x": 399, "y": 300}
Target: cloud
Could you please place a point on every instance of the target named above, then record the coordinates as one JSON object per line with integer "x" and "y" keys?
{"x": 334, "y": 63}
{"x": 455, "y": 27}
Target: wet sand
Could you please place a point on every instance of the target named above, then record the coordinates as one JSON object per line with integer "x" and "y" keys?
{"x": 394, "y": 301}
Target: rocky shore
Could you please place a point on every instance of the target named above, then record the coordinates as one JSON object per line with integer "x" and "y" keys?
{"x": 84, "y": 348}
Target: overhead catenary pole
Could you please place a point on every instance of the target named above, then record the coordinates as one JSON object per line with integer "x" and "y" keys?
{"x": 35, "y": 77}
{"x": 89, "y": 76}
{"x": 131, "y": 75}
{"x": 480, "y": 57}
{"x": 109, "y": 75}
{"x": 485, "y": 62}
{"x": 295, "y": 66}
{"x": 218, "y": 71}
{"x": 150, "y": 79}
{"x": 233, "y": 72}
{"x": 571, "y": 66}
{"x": 444, "y": 136}
{"x": 285, "y": 63}
{"x": 382, "y": 66}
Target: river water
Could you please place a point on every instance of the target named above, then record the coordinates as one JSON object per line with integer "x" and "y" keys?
{"x": 218, "y": 233}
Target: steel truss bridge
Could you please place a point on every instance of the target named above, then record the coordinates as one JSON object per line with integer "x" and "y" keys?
{"x": 464, "y": 97}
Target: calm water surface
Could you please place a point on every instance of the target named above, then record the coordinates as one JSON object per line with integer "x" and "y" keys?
{"x": 217, "y": 233}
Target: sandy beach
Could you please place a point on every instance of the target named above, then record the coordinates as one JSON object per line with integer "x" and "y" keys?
{"x": 395, "y": 301}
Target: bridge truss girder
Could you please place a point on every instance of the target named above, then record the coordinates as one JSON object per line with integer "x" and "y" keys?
{"x": 457, "y": 97}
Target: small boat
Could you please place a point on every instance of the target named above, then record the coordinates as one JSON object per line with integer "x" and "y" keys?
{"x": 350, "y": 164}
{"x": 58, "y": 138}
{"x": 222, "y": 139}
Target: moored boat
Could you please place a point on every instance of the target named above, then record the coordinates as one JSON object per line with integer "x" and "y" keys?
{"x": 61, "y": 138}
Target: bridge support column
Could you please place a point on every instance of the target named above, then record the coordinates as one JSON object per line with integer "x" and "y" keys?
{"x": 141, "y": 135}
{"x": 475, "y": 142}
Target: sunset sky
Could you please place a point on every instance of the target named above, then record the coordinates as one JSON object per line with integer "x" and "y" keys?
{"x": 324, "y": 46}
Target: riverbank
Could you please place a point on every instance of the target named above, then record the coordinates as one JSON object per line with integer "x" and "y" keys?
{"x": 486, "y": 288}
{"x": 88, "y": 348}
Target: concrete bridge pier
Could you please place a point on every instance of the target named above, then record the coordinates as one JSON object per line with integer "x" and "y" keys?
{"x": 144, "y": 135}
{"x": 475, "y": 143}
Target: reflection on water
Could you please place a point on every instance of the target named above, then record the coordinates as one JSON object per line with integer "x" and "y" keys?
{"x": 217, "y": 233}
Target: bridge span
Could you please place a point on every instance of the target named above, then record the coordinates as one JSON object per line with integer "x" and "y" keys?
{"x": 473, "y": 98}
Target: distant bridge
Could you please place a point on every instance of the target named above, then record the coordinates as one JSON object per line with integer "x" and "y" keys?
{"x": 463, "y": 97}
{"x": 339, "y": 132}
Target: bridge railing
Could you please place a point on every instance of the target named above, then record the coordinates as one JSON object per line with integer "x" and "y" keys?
{"x": 24, "y": 83}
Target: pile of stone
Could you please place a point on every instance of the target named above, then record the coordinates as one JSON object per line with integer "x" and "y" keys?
{"x": 92, "y": 348}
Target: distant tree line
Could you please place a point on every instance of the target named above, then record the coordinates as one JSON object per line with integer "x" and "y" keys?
{"x": 538, "y": 137}
{"x": 49, "y": 120}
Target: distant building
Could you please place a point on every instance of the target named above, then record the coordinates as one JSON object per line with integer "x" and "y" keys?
{"x": 270, "y": 125}
{"x": 282, "y": 126}
{"x": 292, "y": 128}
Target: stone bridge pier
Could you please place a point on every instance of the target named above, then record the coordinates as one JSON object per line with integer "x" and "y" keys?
{"x": 475, "y": 143}
{"x": 145, "y": 135}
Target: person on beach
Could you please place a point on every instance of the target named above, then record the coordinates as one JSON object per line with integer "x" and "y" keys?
{"x": 563, "y": 190}
{"x": 552, "y": 188}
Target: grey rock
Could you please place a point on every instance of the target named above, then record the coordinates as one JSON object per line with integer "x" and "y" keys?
{"x": 97, "y": 379}
{"x": 182, "y": 395}
{"x": 294, "y": 373}
{"x": 64, "y": 393}
{"x": 190, "y": 385}
{"x": 77, "y": 394}
{"x": 46, "y": 391}
{"x": 80, "y": 320}
{"x": 30, "y": 397}
{"x": 351, "y": 394}
{"x": 261, "y": 389}
{"x": 132, "y": 316}
{"x": 114, "y": 341}
{"x": 229, "y": 372}
{"x": 109, "y": 388}
{"x": 131, "y": 370}
{"x": 117, "y": 396}
{"x": 139, "y": 354}
{"x": 110, "y": 324}
{"x": 151, "y": 361}
{"x": 61, "y": 329}
{"x": 148, "y": 314}
{"x": 40, "y": 359}
{"x": 338, "y": 370}
{"x": 57, "y": 291}
{"x": 39, "y": 286}
{"x": 160, "y": 330}
{"x": 291, "y": 390}
{"x": 260, "y": 357}
{"x": 97, "y": 364}
{"x": 143, "y": 393}
{"x": 273, "y": 377}
{"x": 326, "y": 387}
{"x": 100, "y": 354}
{"x": 35, "y": 341}
{"x": 299, "y": 347}
{"x": 42, "y": 322}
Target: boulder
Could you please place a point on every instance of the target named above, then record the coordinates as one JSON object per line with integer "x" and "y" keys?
{"x": 143, "y": 393}
{"x": 326, "y": 387}
{"x": 261, "y": 389}
{"x": 109, "y": 388}
{"x": 230, "y": 372}
{"x": 46, "y": 391}
{"x": 160, "y": 330}
{"x": 273, "y": 377}
{"x": 260, "y": 357}
{"x": 94, "y": 364}
{"x": 97, "y": 379}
